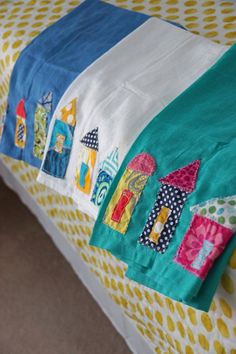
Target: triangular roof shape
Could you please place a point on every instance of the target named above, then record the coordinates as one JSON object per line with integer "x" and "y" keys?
{"x": 91, "y": 139}
{"x": 183, "y": 178}
{"x": 20, "y": 109}
{"x": 46, "y": 101}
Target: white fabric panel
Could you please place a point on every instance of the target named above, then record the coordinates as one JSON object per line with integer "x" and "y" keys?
{"x": 124, "y": 89}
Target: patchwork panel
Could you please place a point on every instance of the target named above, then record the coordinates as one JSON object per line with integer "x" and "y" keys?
{"x": 128, "y": 192}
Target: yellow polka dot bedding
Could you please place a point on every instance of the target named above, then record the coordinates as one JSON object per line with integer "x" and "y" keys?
{"x": 165, "y": 326}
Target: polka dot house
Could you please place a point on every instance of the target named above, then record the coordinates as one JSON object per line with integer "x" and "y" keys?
{"x": 169, "y": 327}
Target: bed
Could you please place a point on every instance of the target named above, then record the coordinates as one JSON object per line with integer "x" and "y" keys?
{"x": 148, "y": 321}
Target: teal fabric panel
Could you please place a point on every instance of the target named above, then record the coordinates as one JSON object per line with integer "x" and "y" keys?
{"x": 199, "y": 125}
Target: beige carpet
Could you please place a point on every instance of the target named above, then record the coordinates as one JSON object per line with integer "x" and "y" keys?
{"x": 44, "y": 308}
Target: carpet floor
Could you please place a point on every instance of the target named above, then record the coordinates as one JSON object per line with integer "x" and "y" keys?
{"x": 44, "y": 308}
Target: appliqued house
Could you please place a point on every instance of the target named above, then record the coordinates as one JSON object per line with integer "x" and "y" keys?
{"x": 165, "y": 214}
{"x": 126, "y": 196}
{"x": 86, "y": 161}
{"x": 106, "y": 174}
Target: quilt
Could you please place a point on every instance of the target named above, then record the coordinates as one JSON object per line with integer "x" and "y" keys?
{"x": 112, "y": 101}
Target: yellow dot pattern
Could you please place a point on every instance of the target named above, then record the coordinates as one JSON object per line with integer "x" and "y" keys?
{"x": 168, "y": 326}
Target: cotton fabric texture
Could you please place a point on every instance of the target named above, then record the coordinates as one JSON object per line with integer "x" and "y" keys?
{"x": 51, "y": 62}
{"x": 117, "y": 96}
{"x": 193, "y": 143}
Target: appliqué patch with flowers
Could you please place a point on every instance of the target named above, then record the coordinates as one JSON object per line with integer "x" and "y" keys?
{"x": 204, "y": 241}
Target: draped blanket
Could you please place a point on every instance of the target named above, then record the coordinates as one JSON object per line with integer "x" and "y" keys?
{"x": 171, "y": 210}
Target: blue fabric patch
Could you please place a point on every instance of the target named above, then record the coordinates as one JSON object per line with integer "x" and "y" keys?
{"x": 206, "y": 249}
{"x": 102, "y": 185}
{"x": 56, "y": 57}
{"x": 58, "y": 154}
{"x": 83, "y": 172}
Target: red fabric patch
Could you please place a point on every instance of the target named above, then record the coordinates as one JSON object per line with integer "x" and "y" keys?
{"x": 20, "y": 109}
{"x": 143, "y": 163}
{"x": 120, "y": 206}
{"x": 183, "y": 178}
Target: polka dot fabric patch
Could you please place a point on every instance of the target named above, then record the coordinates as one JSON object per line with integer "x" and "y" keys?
{"x": 184, "y": 178}
{"x": 221, "y": 210}
{"x": 172, "y": 198}
{"x": 91, "y": 139}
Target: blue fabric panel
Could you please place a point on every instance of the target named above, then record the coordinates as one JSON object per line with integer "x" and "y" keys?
{"x": 56, "y": 57}
{"x": 56, "y": 164}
